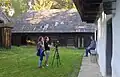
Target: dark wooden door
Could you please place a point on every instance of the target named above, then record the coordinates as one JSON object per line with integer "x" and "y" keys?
{"x": 109, "y": 48}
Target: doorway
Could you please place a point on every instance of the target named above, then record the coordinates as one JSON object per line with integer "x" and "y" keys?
{"x": 109, "y": 48}
{"x": 23, "y": 40}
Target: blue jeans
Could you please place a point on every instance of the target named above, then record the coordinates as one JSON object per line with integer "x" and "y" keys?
{"x": 41, "y": 58}
{"x": 88, "y": 51}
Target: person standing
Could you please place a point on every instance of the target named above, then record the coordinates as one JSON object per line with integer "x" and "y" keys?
{"x": 47, "y": 49}
{"x": 40, "y": 50}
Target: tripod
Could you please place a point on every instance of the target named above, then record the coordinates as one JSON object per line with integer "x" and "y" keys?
{"x": 57, "y": 56}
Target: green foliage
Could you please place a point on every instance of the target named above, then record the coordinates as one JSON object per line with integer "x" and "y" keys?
{"x": 20, "y": 6}
{"x": 5, "y": 5}
{"x": 63, "y": 4}
{"x": 42, "y": 4}
{"x": 23, "y": 62}
{"x": 53, "y": 4}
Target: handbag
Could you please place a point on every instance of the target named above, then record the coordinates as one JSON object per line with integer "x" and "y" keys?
{"x": 38, "y": 53}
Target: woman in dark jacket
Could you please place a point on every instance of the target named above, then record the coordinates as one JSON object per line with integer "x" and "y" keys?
{"x": 47, "y": 49}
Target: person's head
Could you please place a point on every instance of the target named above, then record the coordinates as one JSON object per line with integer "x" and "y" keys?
{"x": 40, "y": 38}
{"x": 46, "y": 39}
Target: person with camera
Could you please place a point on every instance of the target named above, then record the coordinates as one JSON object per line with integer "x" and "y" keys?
{"x": 47, "y": 49}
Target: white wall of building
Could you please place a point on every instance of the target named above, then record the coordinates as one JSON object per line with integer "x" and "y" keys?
{"x": 101, "y": 43}
{"x": 116, "y": 42}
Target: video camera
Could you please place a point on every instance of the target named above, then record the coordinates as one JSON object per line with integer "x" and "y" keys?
{"x": 56, "y": 44}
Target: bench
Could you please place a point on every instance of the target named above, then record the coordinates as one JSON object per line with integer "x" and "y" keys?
{"x": 93, "y": 56}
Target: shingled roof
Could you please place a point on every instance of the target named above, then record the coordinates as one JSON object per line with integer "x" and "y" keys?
{"x": 4, "y": 20}
{"x": 51, "y": 21}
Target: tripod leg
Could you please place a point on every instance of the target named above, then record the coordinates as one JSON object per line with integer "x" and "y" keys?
{"x": 53, "y": 58}
{"x": 57, "y": 62}
{"x": 59, "y": 59}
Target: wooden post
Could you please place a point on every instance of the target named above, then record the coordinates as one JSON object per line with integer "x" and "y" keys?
{"x": 78, "y": 42}
{"x": 0, "y": 37}
{"x": 6, "y": 37}
{"x": 83, "y": 42}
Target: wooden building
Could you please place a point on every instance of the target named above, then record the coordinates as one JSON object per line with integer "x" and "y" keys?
{"x": 63, "y": 25}
{"x": 5, "y": 31}
{"x": 80, "y": 40}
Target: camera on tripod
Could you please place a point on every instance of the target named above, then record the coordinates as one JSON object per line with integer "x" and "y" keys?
{"x": 56, "y": 53}
{"x": 57, "y": 44}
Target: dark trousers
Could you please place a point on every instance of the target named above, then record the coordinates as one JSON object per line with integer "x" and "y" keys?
{"x": 88, "y": 51}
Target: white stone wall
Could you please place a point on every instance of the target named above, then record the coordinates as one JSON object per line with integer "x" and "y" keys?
{"x": 116, "y": 42}
{"x": 101, "y": 43}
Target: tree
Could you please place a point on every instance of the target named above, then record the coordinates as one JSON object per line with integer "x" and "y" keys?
{"x": 20, "y": 6}
{"x": 63, "y": 4}
{"x": 52, "y": 4}
{"x": 5, "y": 5}
{"x": 42, "y": 4}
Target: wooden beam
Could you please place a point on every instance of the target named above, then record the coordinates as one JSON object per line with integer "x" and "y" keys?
{"x": 104, "y": 1}
{"x": 88, "y": 9}
{"x": 89, "y": 15}
{"x": 90, "y": 12}
{"x": 91, "y": 9}
{"x": 93, "y": 1}
{"x": 88, "y": 19}
{"x": 78, "y": 6}
{"x": 91, "y": 21}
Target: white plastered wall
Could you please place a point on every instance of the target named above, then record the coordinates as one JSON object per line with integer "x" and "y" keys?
{"x": 116, "y": 42}
{"x": 101, "y": 43}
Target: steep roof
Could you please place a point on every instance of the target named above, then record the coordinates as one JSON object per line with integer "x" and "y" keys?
{"x": 4, "y": 20}
{"x": 51, "y": 21}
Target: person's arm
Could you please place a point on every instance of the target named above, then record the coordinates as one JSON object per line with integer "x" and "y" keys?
{"x": 49, "y": 44}
{"x": 42, "y": 44}
{"x": 37, "y": 47}
{"x": 92, "y": 45}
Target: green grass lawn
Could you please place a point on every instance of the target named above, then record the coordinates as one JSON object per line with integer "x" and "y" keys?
{"x": 23, "y": 62}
